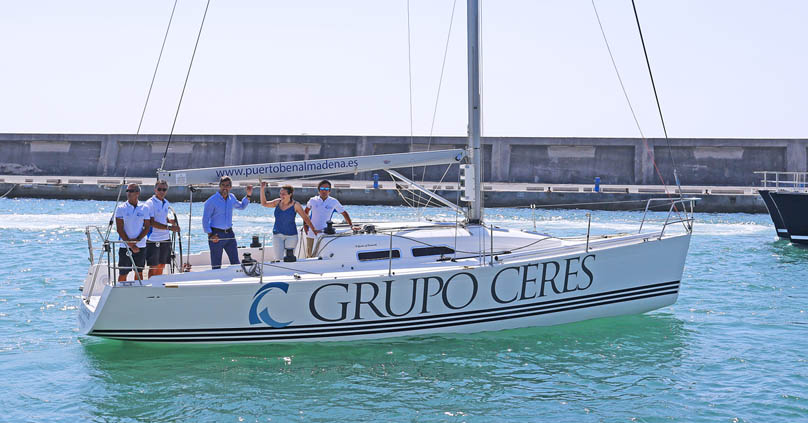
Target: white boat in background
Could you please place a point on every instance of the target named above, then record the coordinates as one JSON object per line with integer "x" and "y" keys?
{"x": 395, "y": 279}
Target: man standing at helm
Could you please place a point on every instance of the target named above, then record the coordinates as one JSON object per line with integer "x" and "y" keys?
{"x": 132, "y": 224}
{"x": 217, "y": 220}
{"x": 158, "y": 244}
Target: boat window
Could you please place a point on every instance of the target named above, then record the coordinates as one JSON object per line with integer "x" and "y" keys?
{"x": 378, "y": 255}
{"x": 431, "y": 251}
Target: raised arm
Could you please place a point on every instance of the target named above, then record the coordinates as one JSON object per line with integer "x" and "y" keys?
{"x": 264, "y": 201}
{"x": 306, "y": 220}
{"x": 241, "y": 205}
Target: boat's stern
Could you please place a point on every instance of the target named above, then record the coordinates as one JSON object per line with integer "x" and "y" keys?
{"x": 93, "y": 292}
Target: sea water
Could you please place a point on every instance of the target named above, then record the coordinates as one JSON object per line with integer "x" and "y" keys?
{"x": 734, "y": 347}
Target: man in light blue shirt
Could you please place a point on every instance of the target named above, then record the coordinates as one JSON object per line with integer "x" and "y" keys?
{"x": 217, "y": 221}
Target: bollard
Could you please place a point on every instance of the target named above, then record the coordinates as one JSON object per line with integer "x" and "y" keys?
{"x": 375, "y": 181}
{"x": 597, "y": 183}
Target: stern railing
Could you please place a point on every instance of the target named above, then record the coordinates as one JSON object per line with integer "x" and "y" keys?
{"x": 683, "y": 213}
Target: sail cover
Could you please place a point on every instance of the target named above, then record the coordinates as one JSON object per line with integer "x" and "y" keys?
{"x": 311, "y": 168}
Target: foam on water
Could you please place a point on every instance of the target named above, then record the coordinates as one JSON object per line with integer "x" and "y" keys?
{"x": 261, "y": 221}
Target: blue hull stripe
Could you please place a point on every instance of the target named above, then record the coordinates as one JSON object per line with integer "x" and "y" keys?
{"x": 391, "y": 325}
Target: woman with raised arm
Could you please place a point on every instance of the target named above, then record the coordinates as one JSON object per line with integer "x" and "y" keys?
{"x": 284, "y": 233}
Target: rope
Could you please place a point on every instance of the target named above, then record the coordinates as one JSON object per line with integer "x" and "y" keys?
{"x": 140, "y": 123}
{"x": 656, "y": 96}
{"x": 156, "y": 67}
{"x": 8, "y": 192}
{"x": 625, "y": 94}
{"x": 428, "y": 200}
{"x": 581, "y": 204}
{"x": 409, "y": 80}
{"x": 631, "y": 108}
{"x": 400, "y": 194}
{"x": 440, "y": 84}
{"x": 185, "y": 84}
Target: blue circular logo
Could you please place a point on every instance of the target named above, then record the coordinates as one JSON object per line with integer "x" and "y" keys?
{"x": 257, "y": 317}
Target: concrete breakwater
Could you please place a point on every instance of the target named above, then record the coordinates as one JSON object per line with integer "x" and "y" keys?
{"x": 529, "y": 160}
{"x": 496, "y": 194}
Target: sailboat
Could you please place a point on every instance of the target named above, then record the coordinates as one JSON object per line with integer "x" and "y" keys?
{"x": 395, "y": 279}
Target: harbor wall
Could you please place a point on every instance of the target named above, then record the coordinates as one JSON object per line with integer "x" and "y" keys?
{"x": 700, "y": 161}
{"x": 495, "y": 194}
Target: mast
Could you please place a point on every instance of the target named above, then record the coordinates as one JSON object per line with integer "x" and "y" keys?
{"x": 475, "y": 214}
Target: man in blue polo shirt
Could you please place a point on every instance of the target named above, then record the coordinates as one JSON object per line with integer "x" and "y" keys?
{"x": 217, "y": 220}
{"x": 132, "y": 224}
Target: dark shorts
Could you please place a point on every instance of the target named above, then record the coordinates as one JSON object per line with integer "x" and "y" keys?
{"x": 125, "y": 265}
{"x": 158, "y": 255}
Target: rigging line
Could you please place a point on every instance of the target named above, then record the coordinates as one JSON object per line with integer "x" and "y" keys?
{"x": 614, "y": 65}
{"x": 659, "y": 107}
{"x": 449, "y": 166}
{"x": 399, "y": 191}
{"x": 539, "y": 206}
{"x": 142, "y": 116}
{"x": 8, "y": 192}
{"x": 409, "y": 80}
{"x": 156, "y": 67}
{"x": 656, "y": 95}
{"x": 625, "y": 94}
{"x": 648, "y": 63}
{"x": 185, "y": 84}
{"x": 440, "y": 83}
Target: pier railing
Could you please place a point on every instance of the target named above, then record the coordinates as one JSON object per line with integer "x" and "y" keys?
{"x": 784, "y": 181}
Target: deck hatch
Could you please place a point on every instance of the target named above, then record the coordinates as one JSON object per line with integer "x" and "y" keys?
{"x": 431, "y": 251}
{"x": 378, "y": 255}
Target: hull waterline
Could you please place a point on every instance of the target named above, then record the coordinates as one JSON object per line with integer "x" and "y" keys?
{"x": 449, "y": 297}
{"x": 774, "y": 213}
{"x": 793, "y": 207}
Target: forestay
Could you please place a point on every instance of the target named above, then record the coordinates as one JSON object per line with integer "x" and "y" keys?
{"x": 311, "y": 168}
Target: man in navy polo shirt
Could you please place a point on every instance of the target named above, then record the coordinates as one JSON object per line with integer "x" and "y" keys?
{"x": 217, "y": 220}
{"x": 158, "y": 242}
{"x": 132, "y": 224}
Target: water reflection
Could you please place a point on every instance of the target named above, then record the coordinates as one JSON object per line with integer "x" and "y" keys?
{"x": 592, "y": 361}
{"x": 789, "y": 252}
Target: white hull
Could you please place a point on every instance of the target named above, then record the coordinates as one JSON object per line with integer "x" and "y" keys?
{"x": 563, "y": 283}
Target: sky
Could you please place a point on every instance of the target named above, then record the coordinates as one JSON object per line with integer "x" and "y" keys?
{"x": 723, "y": 68}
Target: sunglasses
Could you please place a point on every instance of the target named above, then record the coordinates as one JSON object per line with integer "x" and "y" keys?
{"x": 226, "y": 185}
{"x": 132, "y": 190}
{"x": 162, "y": 189}
{"x": 325, "y": 189}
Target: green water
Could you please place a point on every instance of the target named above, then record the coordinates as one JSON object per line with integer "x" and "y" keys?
{"x": 733, "y": 348}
